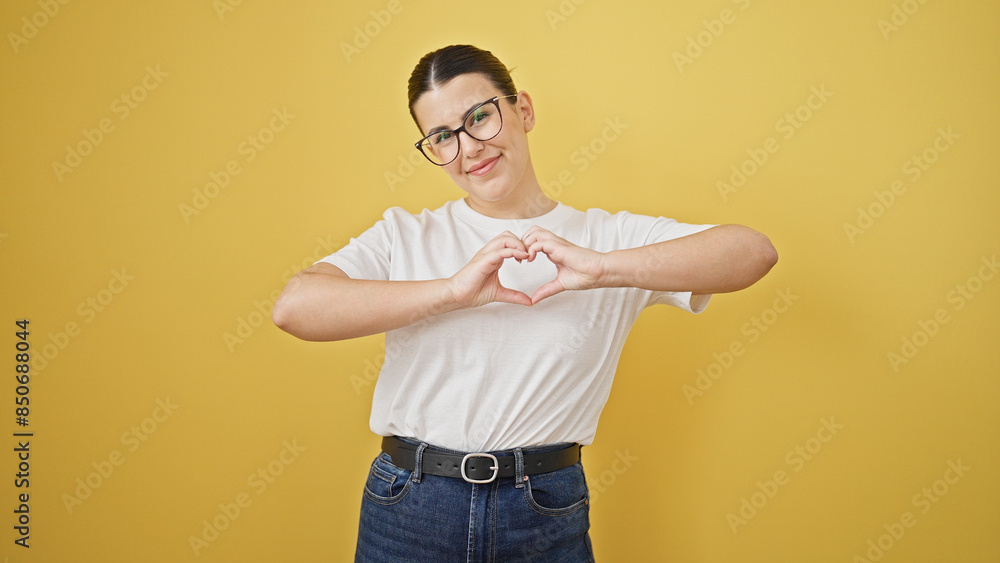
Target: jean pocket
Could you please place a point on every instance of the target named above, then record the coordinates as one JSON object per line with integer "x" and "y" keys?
{"x": 387, "y": 484}
{"x": 557, "y": 493}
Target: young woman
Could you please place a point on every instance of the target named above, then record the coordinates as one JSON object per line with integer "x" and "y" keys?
{"x": 505, "y": 314}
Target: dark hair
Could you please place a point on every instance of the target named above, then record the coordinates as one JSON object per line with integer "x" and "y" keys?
{"x": 438, "y": 67}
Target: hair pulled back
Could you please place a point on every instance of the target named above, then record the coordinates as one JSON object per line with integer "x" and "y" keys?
{"x": 436, "y": 68}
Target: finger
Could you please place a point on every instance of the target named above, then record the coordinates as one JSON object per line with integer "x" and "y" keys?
{"x": 544, "y": 246}
{"x": 507, "y": 235}
{"x": 505, "y": 295}
{"x": 506, "y": 239}
{"x": 536, "y": 242}
{"x": 491, "y": 263}
{"x": 538, "y": 233}
{"x": 531, "y": 235}
{"x": 548, "y": 290}
{"x": 535, "y": 230}
{"x": 516, "y": 253}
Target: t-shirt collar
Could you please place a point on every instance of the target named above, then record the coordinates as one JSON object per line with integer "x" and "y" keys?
{"x": 549, "y": 220}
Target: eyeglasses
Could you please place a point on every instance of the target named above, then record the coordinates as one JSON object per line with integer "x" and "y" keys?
{"x": 482, "y": 123}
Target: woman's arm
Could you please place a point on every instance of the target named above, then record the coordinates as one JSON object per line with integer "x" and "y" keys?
{"x": 717, "y": 260}
{"x": 322, "y": 303}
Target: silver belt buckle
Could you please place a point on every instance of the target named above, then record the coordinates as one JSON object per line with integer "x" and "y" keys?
{"x": 495, "y": 468}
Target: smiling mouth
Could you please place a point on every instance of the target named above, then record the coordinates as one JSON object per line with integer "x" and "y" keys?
{"x": 484, "y": 166}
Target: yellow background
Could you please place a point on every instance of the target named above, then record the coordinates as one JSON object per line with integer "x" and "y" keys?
{"x": 187, "y": 328}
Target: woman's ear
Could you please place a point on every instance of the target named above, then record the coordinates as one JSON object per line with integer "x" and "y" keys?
{"x": 526, "y": 109}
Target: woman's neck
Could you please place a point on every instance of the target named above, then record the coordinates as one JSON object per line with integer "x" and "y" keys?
{"x": 525, "y": 202}
{"x": 524, "y": 208}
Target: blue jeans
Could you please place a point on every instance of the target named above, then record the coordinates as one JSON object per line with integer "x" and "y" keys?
{"x": 407, "y": 516}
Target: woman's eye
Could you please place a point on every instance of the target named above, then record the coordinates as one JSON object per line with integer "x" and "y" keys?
{"x": 441, "y": 137}
{"x": 479, "y": 116}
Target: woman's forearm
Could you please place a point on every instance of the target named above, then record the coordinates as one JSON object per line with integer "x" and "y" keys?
{"x": 717, "y": 260}
{"x": 322, "y": 304}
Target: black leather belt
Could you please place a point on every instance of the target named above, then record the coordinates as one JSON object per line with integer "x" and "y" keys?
{"x": 477, "y": 467}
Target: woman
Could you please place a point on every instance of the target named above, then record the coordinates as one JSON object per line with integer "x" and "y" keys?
{"x": 505, "y": 314}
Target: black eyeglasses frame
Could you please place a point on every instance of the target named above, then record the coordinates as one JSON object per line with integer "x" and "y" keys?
{"x": 494, "y": 100}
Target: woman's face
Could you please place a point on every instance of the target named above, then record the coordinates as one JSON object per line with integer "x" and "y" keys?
{"x": 496, "y": 173}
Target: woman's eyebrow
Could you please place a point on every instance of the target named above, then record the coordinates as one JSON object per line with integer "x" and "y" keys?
{"x": 464, "y": 115}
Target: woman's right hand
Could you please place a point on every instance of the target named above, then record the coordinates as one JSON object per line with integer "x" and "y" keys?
{"x": 478, "y": 282}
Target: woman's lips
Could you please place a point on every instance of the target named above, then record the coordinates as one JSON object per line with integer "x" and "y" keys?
{"x": 484, "y": 166}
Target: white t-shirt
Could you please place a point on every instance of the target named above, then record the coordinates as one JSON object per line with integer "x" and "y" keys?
{"x": 502, "y": 375}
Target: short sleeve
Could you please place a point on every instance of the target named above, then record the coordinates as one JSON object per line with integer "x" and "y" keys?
{"x": 663, "y": 229}
{"x": 366, "y": 256}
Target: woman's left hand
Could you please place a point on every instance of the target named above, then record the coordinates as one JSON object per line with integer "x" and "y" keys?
{"x": 576, "y": 267}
